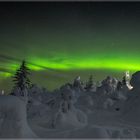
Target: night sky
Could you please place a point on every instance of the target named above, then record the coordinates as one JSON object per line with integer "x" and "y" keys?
{"x": 61, "y": 40}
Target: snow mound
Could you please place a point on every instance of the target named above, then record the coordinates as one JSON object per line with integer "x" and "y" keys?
{"x": 135, "y": 80}
{"x": 85, "y": 100}
{"x": 13, "y": 123}
{"x": 132, "y": 106}
{"x": 85, "y": 103}
{"x": 131, "y": 111}
{"x": 72, "y": 119}
{"x": 108, "y": 103}
{"x": 36, "y": 109}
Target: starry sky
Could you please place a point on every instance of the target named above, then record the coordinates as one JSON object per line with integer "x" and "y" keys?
{"x": 61, "y": 40}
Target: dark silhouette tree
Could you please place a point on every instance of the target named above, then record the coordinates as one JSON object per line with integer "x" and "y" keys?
{"x": 89, "y": 84}
{"x": 21, "y": 79}
{"x": 124, "y": 81}
{"x": 119, "y": 85}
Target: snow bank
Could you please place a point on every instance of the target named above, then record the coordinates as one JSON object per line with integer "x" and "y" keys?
{"x": 132, "y": 106}
{"x": 85, "y": 100}
{"x": 108, "y": 103}
{"x": 13, "y": 123}
{"x": 85, "y": 103}
{"x": 72, "y": 119}
{"x": 135, "y": 80}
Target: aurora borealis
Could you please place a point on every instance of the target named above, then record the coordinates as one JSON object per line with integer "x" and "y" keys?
{"x": 60, "y": 40}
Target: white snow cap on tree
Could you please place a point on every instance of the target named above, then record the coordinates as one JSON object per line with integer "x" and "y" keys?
{"x": 78, "y": 78}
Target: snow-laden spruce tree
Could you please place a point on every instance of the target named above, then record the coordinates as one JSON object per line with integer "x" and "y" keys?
{"x": 106, "y": 86}
{"x": 78, "y": 85}
{"x": 21, "y": 80}
{"x": 64, "y": 114}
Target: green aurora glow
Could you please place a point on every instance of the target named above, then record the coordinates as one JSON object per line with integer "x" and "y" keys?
{"x": 93, "y": 55}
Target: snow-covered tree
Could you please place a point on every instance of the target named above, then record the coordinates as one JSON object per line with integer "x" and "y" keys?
{"x": 107, "y": 85}
{"x": 66, "y": 99}
{"x": 77, "y": 82}
{"x": 21, "y": 79}
{"x": 78, "y": 85}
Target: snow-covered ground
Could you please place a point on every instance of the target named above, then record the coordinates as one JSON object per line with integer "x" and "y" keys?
{"x": 13, "y": 120}
{"x": 110, "y": 111}
{"x": 101, "y": 124}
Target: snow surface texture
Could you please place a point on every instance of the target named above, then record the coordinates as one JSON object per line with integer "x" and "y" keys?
{"x": 110, "y": 111}
{"x": 13, "y": 121}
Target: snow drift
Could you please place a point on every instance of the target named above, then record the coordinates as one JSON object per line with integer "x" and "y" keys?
{"x": 13, "y": 123}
